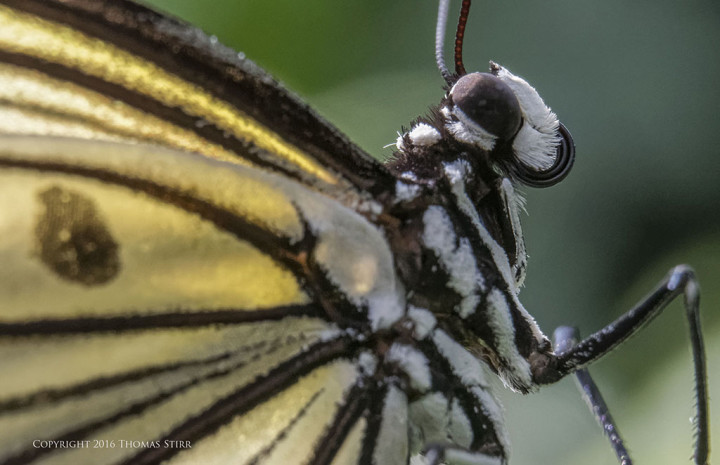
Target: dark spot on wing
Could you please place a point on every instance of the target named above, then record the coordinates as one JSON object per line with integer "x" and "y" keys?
{"x": 74, "y": 241}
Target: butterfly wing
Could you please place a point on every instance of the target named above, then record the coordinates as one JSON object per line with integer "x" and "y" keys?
{"x": 146, "y": 305}
{"x": 150, "y": 295}
{"x": 116, "y": 70}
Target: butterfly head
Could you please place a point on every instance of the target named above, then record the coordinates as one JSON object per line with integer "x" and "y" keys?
{"x": 491, "y": 132}
{"x": 503, "y": 115}
{"x": 495, "y": 119}
{"x": 497, "y": 114}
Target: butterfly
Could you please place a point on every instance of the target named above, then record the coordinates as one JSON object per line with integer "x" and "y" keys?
{"x": 203, "y": 270}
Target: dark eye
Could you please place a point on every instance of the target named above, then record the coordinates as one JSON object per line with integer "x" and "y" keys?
{"x": 489, "y": 102}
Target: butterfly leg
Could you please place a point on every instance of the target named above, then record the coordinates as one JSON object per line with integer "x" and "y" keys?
{"x": 680, "y": 280}
{"x": 565, "y": 337}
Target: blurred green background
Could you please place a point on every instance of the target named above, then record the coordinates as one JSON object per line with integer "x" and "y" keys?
{"x": 638, "y": 85}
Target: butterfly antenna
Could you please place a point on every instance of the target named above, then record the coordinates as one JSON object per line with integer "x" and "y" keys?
{"x": 459, "y": 36}
{"x": 443, "y": 6}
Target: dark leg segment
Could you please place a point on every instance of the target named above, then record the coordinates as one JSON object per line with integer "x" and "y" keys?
{"x": 680, "y": 280}
{"x": 565, "y": 338}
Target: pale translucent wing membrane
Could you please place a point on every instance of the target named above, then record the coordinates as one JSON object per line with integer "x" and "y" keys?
{"x": 94, "y": 62}
{"x": 75, "y": 360}
{"x": 292, "y": 422}
{"x": 184, "y": 90}
{"x": 159, "y": 259}
{"x": 105, "y": 387}
{"x": 35, "y": 103}
{"x": 169, "y": 177}
{"x": 165, "y": 239}
{"x": 146, "y": 305}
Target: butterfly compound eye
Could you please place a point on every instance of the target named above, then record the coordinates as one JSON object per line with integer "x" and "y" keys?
{"x": 488, "y": 102}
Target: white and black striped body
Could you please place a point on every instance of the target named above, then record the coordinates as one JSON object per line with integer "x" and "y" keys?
{"x": 467, "y": 267}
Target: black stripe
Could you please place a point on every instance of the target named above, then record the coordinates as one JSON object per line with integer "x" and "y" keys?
{"x": 179, "y": 319}
{"x": 524, "y": 337}
{"x": 349, "y": 413}
{"x": 283, "y": 432}
{"x": 246, "y": 398}
{"x": 48, "y": 396}
{"x": 374, "y": 423}
{"x": 32, "y": 453}
{"x": 192, "y": 55}
{"x": 446, "y": 381}
{"x": 195, "y": 124}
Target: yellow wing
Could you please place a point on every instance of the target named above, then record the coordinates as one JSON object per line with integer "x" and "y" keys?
{"x": 114, "y": 70}
{"x": 148, "y": 314}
